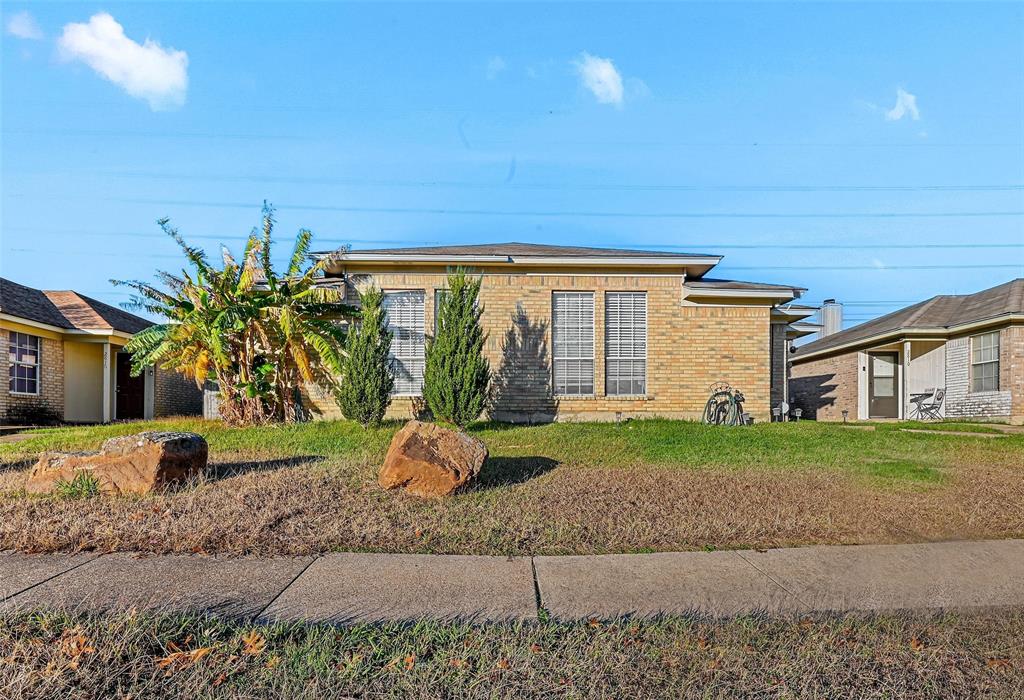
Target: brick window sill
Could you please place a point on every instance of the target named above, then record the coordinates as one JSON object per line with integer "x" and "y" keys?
{"x": 607, "y": 397}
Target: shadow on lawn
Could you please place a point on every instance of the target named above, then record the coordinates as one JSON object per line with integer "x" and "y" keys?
{"x": 226, "y": 470}
{"x": 505, "y": 471}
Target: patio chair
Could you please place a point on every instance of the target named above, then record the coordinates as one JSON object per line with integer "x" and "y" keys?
{"x": 932, "y": 410}
{"x": 918, "y": 398}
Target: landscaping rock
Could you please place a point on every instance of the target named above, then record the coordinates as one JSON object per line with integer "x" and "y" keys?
{"x": 130, "y": 464}
{"x": 429, "y": 460}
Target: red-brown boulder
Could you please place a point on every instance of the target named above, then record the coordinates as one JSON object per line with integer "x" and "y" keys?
{"x": 138, "y": 463}
{"x": 429, "y": 460}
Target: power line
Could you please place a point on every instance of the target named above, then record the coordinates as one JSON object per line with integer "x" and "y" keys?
{"x": 801, "y": 268}
{"x": 876, "y": 268}
{"x": 360, "y": 182}
{"x": 580, "y": 214}
{"x": 653, "y": 246}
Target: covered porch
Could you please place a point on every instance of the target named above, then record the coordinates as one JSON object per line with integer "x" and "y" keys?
{"x": 902, "y": 380}
{"x": 98, "y": 386}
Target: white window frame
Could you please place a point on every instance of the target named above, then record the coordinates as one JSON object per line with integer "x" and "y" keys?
{"x": 975, "y": 364}
{"x": 560, "y": 354}
{"x": 408, "y": 344}
{"x": 624, "y": 338}
{"x": 14, "y": 343}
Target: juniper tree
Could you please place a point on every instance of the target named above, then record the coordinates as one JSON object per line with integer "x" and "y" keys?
{"x": 364, "y": 392}
{"x": 457, "y": 374}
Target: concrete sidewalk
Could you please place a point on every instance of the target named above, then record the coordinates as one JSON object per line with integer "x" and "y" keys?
{"x": 349, "y": 588}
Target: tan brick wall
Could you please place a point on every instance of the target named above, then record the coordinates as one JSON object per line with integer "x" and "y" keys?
{"x": 175, "y": 395}
{"x": 689, "y": 346}
{"x": 1011, "y": 369}
{"x": 51, "y": 375}
{"x": 825, "y": 388}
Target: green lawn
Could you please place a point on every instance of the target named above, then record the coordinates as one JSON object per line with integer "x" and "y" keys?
{"x": 48, "y": 655}
{"x": 563, "y": 488}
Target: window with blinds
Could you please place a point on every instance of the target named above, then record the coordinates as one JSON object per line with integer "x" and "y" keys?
{"x": 572, "y": 340}
{"x": 985, "y": 362}
{"x": 625, "y": 343}
{"x": 23, "y": 356}
{"x": 405, "y": 321}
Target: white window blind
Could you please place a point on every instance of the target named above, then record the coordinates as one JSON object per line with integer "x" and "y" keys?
{"x": 23, "y": 356}
{"x": 625, "y": 343}
{"x": 572, "y": 339}
{"x": 985, "y": 362}
{"x": 405, "y": 321}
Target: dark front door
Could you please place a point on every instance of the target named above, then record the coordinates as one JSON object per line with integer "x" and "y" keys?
{"x": 883, "y": 395}
{"x": 131, "y": 391}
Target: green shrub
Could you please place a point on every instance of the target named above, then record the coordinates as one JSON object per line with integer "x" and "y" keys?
{"x": 82, "y": 486}
{"x": 364, "y": 392}
{"x": 457, "y": 373}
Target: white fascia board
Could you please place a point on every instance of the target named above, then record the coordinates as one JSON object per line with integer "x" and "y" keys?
{"x": 104, "y": 332}
{"x": 784, "y": 295}
{"x": 35, "y": 324}
{"x": 658, "y": 261}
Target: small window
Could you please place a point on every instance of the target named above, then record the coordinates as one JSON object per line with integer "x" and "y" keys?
{"x": 23, "y": 355}
{"x": 572, "y": 340}
{"x": 985, "y": 362}
{"x": 439, "y": 297}
{"x": 625, "y": 343}
{"x": 405, "y": 321}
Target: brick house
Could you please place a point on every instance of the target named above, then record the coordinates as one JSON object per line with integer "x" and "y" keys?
{"x": 585, "y": 333}
{"x": 64, "y": 362}
{"x": 962, "y": 354}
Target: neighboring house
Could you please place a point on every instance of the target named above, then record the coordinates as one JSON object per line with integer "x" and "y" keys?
{"x": 969, "y": 347}
{"x": 586, "y": 333}
{"x": 63, "y": 358}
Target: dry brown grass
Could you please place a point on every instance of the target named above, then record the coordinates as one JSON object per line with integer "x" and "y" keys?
{"x": 255, "y": 505}
{"x": 53, "y": 655}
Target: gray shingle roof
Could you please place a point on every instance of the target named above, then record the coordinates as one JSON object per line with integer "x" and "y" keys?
{"x": 713, "y": 283}
{"x": 66, "y": 309}
{"x": 942, "y": 312}
{"x": 513, "y": 249}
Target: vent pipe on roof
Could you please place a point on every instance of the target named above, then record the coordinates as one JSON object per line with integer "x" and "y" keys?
{"x": 831, "y": 318}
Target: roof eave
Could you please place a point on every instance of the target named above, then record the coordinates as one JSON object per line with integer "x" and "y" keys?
{"x": 918, "y": 332}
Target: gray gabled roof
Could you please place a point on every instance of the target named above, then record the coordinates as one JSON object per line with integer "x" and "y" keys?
{"x": 942, "y": 312}
{"x": 513, "y": 249}
{"x": 65, "y": 309}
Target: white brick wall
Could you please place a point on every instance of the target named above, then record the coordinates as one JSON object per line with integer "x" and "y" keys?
{"x": 960, "y": 402}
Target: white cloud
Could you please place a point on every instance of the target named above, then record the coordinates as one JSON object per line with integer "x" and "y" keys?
{"x": 495, "y": 65}
{"x": 23, "y": 25}
{"x": 600, "y": 77}
{"x": 905, "y": 104}
{"x": 147, "y": 71}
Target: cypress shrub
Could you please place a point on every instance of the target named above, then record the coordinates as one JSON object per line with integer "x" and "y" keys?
{"x": 365, "y": 389}
{"x": 457, "y": 374}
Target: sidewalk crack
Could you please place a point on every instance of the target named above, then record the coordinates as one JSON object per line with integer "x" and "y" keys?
{"x": 259, "y": 616}
{"x": 771, "y": 578}
{"x": 536, "y": 587}
{"x": 50, "y": 578}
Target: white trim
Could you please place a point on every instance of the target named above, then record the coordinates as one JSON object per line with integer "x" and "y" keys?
{"x": 108, "y": 377}
{"x": 862, "y": 385}
{"x": 793, "y": 293}
{"x": 660, "y": 261}
{"x": 66, "y": 331}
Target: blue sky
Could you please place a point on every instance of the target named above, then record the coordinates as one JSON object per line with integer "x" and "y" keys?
{"x": 869, "y": 152}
